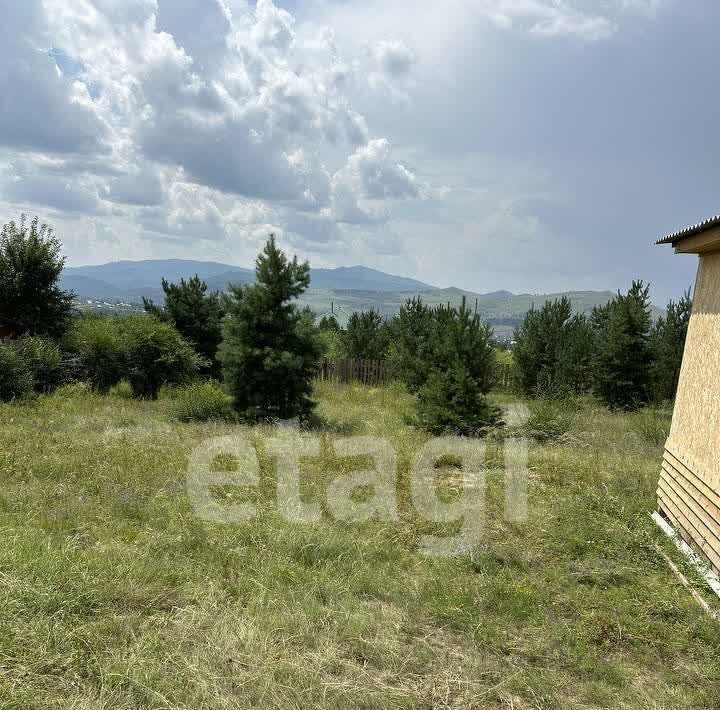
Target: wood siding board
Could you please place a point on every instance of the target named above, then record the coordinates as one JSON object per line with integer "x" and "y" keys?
{"x": 692, "y": 525}
{"x": 699, "y": 481}
{"x": 702, "y": 522}
{"x": 676, "y": 480}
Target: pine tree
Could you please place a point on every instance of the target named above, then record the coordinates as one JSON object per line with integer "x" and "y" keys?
{"x": 196, "y": 314}
{"x": 668, "y": 344}
{"x": 329, "y": 324}
{"x": 462, "y": 361}
{"x": 409, "y": 356}
{"x": 574, "y": 364}
{"x": 30, "y": 268}
{"x": 366, "y": 337}
{"x": 270, "y": 348}
{"x": 624, "y": 359}
{"x": 538, "y": 343}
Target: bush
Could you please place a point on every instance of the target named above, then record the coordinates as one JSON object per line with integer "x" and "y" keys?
{"x": 29, "y": 365}
{"x": 196, "y": 314}
{"x": 156, "y": 355}
{"x": 331, "y": 343}
{"x": 550, "y": 418}
{"x": 140, "y": 349}
{"x": 122, "y": 390}
{"x": 97, "y": 342}
{"x": 199, "y": 402}
{"x": 43, "y": 360}
{"x": 16, "y": 380}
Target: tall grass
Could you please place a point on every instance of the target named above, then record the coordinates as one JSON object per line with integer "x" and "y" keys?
{"x": 113, "y": 594}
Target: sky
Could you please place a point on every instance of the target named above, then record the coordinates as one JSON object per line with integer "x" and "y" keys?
{"x": 528, "y": 145}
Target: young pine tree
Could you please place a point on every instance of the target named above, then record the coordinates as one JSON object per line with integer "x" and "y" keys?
{"x": 624, "y": 359}
{"x": 270, "y": 348}
{"x": 462, "y": 360}
{"x": 367, "y": 336}
{"x": 30, "y": 268}
{"x": 538, "y": 343}
{"x": 196, "y": 314}
{"x": 668, "y": 344}
{"x": 409, "y": 356}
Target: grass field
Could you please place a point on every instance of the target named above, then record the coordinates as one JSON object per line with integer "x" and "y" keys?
{"x": 115, "y": 595}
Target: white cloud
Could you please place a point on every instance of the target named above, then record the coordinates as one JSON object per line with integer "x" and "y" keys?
{"x": 40, "y": 109}
{"x": 197, "y": 126}
{"x": 370, "y": 179}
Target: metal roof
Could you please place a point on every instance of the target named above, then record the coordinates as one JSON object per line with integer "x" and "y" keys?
{"x": 690, "y": 231}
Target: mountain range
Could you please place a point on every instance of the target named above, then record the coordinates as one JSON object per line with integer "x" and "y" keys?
{"x": 129, "y": 281}
{"x": 342, "y": 290}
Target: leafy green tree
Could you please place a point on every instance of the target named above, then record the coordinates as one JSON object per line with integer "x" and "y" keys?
{"x": 196, "y": 314}
{"x": 624, "y": 358}
{"x": 667, "y": 341}
{"x": 462, "y": 356}
{"x": 30, "y": 268}
{"x": 366, "y": 337}
{"x": 270, "y": 348}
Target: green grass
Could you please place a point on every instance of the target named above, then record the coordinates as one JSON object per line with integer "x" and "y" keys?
{"x": 113, "y": 594}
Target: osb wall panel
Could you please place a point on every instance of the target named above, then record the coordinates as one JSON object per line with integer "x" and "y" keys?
{"x": 695, "y": 433}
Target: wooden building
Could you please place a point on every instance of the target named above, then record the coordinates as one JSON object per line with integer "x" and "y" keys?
{"x": 689, "y": 489}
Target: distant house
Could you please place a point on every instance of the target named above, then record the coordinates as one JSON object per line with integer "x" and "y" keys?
{"x": 689, "y": 489}
{"x": 10, "y": 328}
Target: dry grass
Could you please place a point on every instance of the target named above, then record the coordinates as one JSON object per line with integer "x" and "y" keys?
{"x": 114, "y": 595}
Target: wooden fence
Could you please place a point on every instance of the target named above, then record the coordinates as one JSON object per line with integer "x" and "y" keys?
{"x": 345, "y": 370}
{"x": 373, "y": 373}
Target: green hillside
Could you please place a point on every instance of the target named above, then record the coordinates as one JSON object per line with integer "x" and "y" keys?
{"x": 502, "y": 309}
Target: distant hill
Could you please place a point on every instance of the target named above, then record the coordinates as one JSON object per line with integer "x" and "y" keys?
{"x": 343, "y": 290}
{"x": 130, "y": 280}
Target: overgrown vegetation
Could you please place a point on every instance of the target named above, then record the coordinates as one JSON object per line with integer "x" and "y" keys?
{"x": 29, "y": 365}
{"x": 200, "y": 401}
{"x": 143, "y": 350}
{"x": 196, "y": 314}
{"x": 114, "y": 594}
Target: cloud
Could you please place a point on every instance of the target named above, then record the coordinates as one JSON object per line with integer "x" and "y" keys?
{"x": 40, "y": 107}
{"x": 369, "y": 179}
{"x": 359, "y": 132}
{"x": 142, "y": 187}
{"x": 26, "y": 183}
